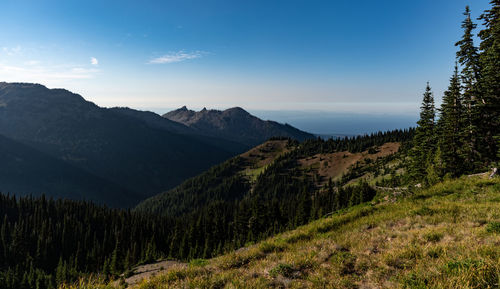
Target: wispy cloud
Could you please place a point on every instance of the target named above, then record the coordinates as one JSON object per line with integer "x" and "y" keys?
{"x": 32, "y": 62}
{"x": 12, "y": 50}
{"x": 44, "y": 74}
{"x": 94, "y": 61}
{"x": 179, "y": 56}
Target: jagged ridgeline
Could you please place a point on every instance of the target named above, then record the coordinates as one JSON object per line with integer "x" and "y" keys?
{"x": 274, "y": 187}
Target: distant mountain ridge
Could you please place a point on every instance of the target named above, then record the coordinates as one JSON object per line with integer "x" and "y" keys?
{"x": 132, "y": 154}
{"x": 235, "y": 124}
{"x": 157, "y": 121}
{"x": 119, "y": 146}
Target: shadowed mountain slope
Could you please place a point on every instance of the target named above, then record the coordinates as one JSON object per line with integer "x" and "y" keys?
{"x": 135, "y": 153}
{"x": 157, "y": 121}
{"x": 24, "y": 170}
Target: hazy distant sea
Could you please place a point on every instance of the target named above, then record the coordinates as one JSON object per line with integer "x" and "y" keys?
{"x": 339, "y": 123}
{"x": 336, "y": 124}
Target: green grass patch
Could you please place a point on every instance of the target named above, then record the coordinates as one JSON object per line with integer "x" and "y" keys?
{"x": 285, "y": 270}
{"x": 198, "y": 262}
{"x": 267, "y": 247}
{"x": 414, "y": 281}
{"x": 433, "y": 237}
{"x": 424, "y": 211}
{"x": 345, "y": 261}
{"x": 493, "y": 227}
{"x": 294, "y": 238}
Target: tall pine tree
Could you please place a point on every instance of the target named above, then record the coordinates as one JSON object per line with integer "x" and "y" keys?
{"x": 468, "y": 58}
{"x": 450, "y": 129}
{"x": 490, "y": 81}
{"x": 424, "y": 140}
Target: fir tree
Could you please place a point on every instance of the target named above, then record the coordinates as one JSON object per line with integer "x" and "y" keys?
{"x": 424, "y": 140}
{"x": 468, "y": 58}
{"x": 114, "y": 266}
{"x": 61, "y": 272}
{"x": 450, "y": 129}
{"x": 490, "y": 81}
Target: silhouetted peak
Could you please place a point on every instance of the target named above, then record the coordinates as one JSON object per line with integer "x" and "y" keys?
{"x": 235, "y": 124}
{"x": 29, "y": 93}
{"x": 237, "y": 110}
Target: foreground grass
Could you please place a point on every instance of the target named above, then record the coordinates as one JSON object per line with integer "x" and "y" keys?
{"x": 89, "y": 283}
{"x": 447, "y": 236}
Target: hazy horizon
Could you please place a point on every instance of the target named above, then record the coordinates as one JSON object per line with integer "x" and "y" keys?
{"x": 335, "y": 122}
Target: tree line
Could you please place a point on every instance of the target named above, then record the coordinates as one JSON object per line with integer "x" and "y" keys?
{"x": 463, "y": 135}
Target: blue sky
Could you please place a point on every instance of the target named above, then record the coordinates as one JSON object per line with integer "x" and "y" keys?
{"x": 350, "y": 56}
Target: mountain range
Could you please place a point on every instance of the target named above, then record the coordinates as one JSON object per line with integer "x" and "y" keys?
{"x": 234, "y": 124}
{"x": 129, "y": 154}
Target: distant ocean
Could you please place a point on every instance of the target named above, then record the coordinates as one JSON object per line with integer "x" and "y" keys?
{"x": 338, "y": 124}
{"x": 331, "y": 124}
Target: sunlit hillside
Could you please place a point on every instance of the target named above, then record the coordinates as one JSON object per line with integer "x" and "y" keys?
{"x": 447, "y": 236}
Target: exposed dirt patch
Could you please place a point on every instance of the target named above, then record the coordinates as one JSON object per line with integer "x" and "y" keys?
{"x": 149, "y": 270}
{"x": 333, "y": 165}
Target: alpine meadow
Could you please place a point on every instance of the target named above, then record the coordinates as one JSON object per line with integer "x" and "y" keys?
{"x": 106, "y": 183}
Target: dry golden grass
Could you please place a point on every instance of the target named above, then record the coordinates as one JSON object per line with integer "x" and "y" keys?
{"x": 88, "y": 283}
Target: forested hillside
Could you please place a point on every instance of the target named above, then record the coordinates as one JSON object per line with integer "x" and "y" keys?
{"x": 250, "y": 197}
{"x": 280, "y": 167}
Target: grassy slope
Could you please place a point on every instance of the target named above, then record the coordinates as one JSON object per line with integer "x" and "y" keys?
{"x": 260, "y": 157}
{"x": 334, "y": 165}
{"x": 248, "y": 166}
{"x": 447, "y": 236}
